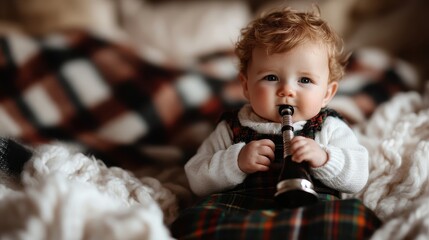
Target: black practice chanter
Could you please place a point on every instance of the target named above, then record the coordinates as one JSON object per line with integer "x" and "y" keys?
{"x": 295, "y": 188}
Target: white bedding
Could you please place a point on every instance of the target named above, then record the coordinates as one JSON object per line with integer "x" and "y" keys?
{"x": 66, "y": 195}
{"x": 397, "y": 137}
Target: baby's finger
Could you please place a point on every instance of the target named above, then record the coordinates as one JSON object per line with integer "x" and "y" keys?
{"x": 267, "y": 142}
{"x": 298, "y": 146}
{"x": 262, "y": 160}
{"x": 267, "y": 152}
{"x": 263, "y": 168}
{"x": 298, "y": 141}
{"x": 299, "y": 157}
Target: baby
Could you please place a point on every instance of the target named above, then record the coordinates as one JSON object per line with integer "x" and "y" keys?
{"x": 286, "y": 58}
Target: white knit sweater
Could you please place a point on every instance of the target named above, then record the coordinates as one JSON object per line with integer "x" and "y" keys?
{"x": 214, "y": 168}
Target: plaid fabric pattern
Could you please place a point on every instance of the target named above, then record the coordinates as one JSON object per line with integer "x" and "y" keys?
{"x": 249, "y": 211}
{"x": 315, "y": 124}
{"x": 216, "y": 218}
{"x": 76, "y": 87}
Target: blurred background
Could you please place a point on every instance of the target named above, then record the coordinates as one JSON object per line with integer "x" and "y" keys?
{"x": 178, "y": 31}
{"x": 145, "y": 81}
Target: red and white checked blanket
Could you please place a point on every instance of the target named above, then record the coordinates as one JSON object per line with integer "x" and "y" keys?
{"x": 76, "y": 87}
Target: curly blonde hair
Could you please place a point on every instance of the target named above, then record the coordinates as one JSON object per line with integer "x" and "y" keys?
{"x": 281, "y": 30}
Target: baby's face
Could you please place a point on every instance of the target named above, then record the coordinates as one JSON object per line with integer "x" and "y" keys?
{"x": 299, "y": 77}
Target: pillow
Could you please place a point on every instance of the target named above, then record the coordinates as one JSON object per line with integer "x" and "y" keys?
{"x": 178, "y": 32}
{"x": 43, "y": 17}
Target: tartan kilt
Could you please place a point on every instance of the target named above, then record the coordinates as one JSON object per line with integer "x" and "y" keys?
{"x": 234, "y": 216}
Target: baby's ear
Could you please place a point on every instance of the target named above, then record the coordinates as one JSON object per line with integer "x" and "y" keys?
{"x": 330, "y": 93}
{"x": 243, "y": 81}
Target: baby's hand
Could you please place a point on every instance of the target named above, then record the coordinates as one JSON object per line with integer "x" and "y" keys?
{"x": 256, "y": 156}
{"x": 306, "y": 149}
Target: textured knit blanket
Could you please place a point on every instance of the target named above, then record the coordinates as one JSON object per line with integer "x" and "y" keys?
{"x": 63, "y": 194}
{"x": 77, "y": 87}
{"x": 397, "y": 137}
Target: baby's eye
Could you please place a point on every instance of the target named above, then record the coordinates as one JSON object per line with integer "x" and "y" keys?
{"x": 271, "y": 78}
{"x": 304, "y": 80}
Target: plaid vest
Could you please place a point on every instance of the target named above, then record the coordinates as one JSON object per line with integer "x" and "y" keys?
{"x": 263, "y": 184}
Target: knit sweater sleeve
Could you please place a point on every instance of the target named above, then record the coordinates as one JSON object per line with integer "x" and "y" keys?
{"x": 347, "y": 167}
{"x": 214, "y": 167}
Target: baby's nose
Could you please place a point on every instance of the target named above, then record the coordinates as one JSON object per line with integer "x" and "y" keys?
{"x": 286, "y": 89}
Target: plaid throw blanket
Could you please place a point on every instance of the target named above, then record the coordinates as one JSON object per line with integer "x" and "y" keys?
{"x": 73, "y": 86}
{"x": 76, "y": 87}
{"x": 217, "y": 218}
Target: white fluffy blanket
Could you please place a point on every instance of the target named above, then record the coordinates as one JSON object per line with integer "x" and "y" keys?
{"x": 66, "y": 195}
{"x": 397, "y": 138}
